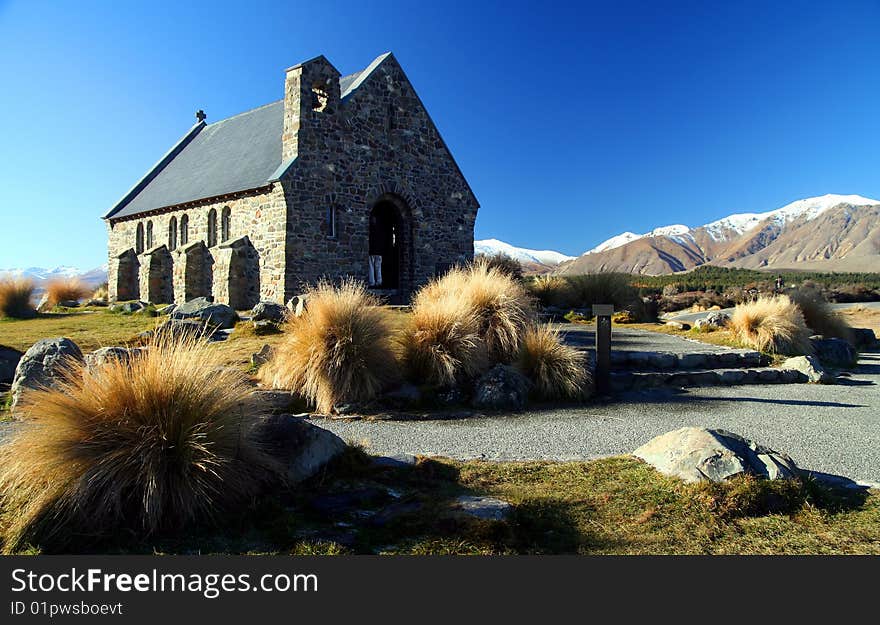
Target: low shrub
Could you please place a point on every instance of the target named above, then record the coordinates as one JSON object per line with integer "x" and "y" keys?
{"x": 576, "y": 317}
{"x": 66, "y": 289}
{"x": 624, "y": 317}
{"x": 340, "y": 350}
{"x": 15, "y": 298}
{"x": 818, "y": 314}
{"x": 606, "y": 287}
{"x": 772, "y": 324}
{"x": 556, "y": 370}
{"x": 502, "y": 262}
{"x": 166, "y": 438}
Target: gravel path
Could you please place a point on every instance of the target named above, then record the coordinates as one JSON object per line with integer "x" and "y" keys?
{"x": 832, "y": 429}
{"x": 689, "y": 317}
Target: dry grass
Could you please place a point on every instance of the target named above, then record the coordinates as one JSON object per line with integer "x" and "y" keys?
{"x": 67, "y": 289}
{"x": 550, "y": 290}
{"x": 101, "y": 292}
{"x": 162, "y": 440}
{"x": 818, "y": 314}
{"x": 340, "y": 350}
{"x": 441, "y": 343}
{"x": 772, "y": 324}
{"x": 557, "y": 370}
{"x": 15, "y": 298}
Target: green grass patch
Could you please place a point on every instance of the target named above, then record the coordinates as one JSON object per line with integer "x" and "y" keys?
{"x": 610, "y": 506}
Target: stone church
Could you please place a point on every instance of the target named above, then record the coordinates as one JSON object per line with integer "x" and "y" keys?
{"x": 346, "y": 176}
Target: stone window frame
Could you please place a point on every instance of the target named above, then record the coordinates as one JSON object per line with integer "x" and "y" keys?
{"x": 172, "y": 233}
{"x": 212, "y": 227}
{"x": 184, "y": 229}
{"x": 149, "y": 242}
{"x": 331, "y": 223}
{"x": 225, "y": 224}
{"x": 139, "y": 238}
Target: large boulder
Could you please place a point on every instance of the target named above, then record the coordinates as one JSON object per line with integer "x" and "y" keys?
{"x": 501, "y": 388}
{"x": 713, "y": 321}
{"x": 208, "y": 312}
{"x": 43, "y": 365}
{"x": 104, "y": 355}
{"x": 178, "y": 329}
{"x": 268, "y": 311}
{"x": 301, "y": 447}
{"x": 8, "y": 362}
{"x": 699, "y": 454}
{"x": 809, "y": 369}
{"x": 127, "y": 308}
{"x": 834, "y": 352}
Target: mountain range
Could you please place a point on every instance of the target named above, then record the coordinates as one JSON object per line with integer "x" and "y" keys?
{"x": 40, "y": 276}
{"x": 826, "y": 233}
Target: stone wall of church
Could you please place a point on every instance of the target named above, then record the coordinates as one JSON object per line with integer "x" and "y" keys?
{"x": 165, "y": 274}
{"x": 377, "y": 141}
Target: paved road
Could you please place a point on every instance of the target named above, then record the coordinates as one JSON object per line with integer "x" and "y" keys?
{"x": 832, "y": 429}
{"x": 689, "y": 317}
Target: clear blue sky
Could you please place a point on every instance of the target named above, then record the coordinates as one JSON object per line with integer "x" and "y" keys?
{"x": 572, "y": 122}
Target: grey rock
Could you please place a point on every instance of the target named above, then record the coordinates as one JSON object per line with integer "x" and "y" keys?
{"x": 177, "y": 329}
{"x": 662, "y": 360}
{"x": 302, "y": 447}
{"x": 106, "y": 354}
{"x": 452, "y": 396}
{"x": 167, "y": 310}
{"x": 264, "y": 326}
{"x": 69, "y": 303}
{"x": 9, "y": 359}
{"x": 128, "y": 307}
{"x": 268, "y": 311}
{"x": 298, "y": 304}
{"x": 768, "y": 375}
{"x": 263, "y": 356}
{"x": 834, "y": 352}
{"x": 732, "y": 376}
{"x": 43, "y": 303}
{"x": 43, "y": 365}
{"x": 714, "y": 320}
{"x": 501, "y": 388}
{"x": 218, "y": 315}
{"x": 98, "y": 302}
{"x": 484, "y": 508}
{"x": 697, "y": 454}
{"x": 279, "y": 401}
{"x": 810, "y": 368}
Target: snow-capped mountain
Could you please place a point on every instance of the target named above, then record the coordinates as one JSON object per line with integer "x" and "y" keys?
{"x": 490, "y": 247}
{"x": 834, "y": 232}
{"x": 40, "y": 275}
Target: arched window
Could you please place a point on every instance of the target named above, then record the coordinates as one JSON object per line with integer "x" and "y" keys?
{"x": 184, "y": 230}
{"x": 172, "y": 233}
{"x": 139, "y": 239}
{"x": 225, "y": 226}
{"x": 212, "y": 228}
{"x": 149, "y": 235}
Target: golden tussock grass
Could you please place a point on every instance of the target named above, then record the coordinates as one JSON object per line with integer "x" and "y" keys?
{"x": 557, "y": 370}
{"x": 341, "y": 349}
{"x": 772, "y": 324}
{"x": 66, "y": 289}
{"x": 15, "y": 298}
{"x": 163, "y": 439}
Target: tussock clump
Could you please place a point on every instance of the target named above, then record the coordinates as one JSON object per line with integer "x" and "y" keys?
{"x": 15, "y": 298}
{"x": 151, "y": 443}
{"x": 557, "y": 370}
{"x": 441, "y": 343}
{"x": 71, "y": 289}
{"x": 604, "y": 287}
{"x": 550, "y": 290}
{"x": 503, "y": 263}
{"x": 102, "y": 292}
{"x": 818, "y": 314}
{"x": 340, "y": 350}
{"x": 772, "y": 324}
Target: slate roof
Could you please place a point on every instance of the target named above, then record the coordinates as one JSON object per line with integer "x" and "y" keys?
{"x": 235, "y": 154}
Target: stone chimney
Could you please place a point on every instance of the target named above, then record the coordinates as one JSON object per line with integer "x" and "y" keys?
{"x": 311, "y": 101}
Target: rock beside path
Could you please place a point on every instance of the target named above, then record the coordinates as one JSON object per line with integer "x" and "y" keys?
{"x": 698, "y": 454}
{"x": 43, "y": 365}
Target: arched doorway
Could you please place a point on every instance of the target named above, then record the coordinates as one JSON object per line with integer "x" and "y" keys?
{"x": 388, "y": 242}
